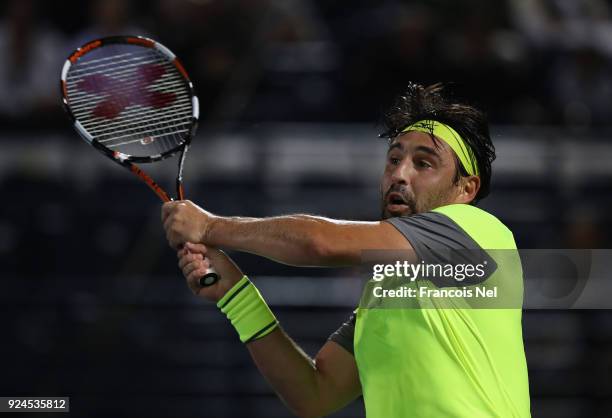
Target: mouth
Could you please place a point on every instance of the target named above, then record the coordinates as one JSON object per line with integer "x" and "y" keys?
{"x": 396, "y": 203}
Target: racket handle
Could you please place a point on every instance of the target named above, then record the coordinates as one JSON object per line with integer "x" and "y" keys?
{"x": 211, "y": 277}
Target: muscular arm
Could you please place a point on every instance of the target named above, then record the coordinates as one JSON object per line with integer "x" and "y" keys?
{"x": 304, "y": 240}
{"x": 301, "y": 240}
{"x": 310, "y": 388}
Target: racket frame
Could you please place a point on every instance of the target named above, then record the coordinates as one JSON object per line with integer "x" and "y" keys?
{"x": 125, "y": 160}
{"x": 129, "y": 161}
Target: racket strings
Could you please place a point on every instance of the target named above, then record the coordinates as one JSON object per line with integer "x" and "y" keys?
{"x": 179, "y": 109}
{"x": 101, "y": 129}
{"x": 113, "y": 69}
{"x": 170, "y": 83}
{"x": 119, "y": 68}
{"x": 89, "y": 63}
{"x": 135, "y": 102}
{"x": 80, "y": 82}
{"x": 125, "y": 76}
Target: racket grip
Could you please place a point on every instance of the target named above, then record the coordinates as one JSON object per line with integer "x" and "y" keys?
{"x": 211, "y": 277}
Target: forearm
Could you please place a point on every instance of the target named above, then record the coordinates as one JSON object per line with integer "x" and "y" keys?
{"x": 300, "y": 240}
{"x": 307, "y": 390}
{"x": 308, "y": 387}
{"x": 289, "y": 371}
{"x": 288, "y": 239}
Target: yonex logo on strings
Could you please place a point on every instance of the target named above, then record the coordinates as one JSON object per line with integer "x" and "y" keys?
{"x": 120, "y": 95}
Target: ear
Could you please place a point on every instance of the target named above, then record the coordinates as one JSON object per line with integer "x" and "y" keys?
{"x": 468, "y": 189}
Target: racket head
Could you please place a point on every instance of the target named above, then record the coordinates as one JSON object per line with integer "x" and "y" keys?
{"x": 130, "y": 97}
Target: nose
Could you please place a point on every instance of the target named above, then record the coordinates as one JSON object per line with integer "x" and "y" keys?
{"x": 402, "y": 172}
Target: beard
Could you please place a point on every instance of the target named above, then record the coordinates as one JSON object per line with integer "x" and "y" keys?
{"x": 408, "y": 208}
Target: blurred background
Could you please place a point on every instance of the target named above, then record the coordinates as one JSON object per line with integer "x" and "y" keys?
{"x": 291, "y": 93}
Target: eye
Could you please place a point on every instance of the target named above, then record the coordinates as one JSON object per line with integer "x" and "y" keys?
{"x": 394, "y": 160}
{"x": 423, "y": 164}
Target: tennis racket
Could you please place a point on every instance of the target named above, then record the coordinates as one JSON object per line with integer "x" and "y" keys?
{"x": 131, "y": 99}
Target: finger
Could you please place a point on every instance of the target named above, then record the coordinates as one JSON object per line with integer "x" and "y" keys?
{"x": 183, "y": 261}
{"x": 169, "y": 221}
{"x": 193, "y": 280}
{"x": 200, "y": 265}
{"x": 171, "y": 240}
{"x": 196, "y": 248}
{"x": 189, "y": 258}
{"x": 182, "y": 251}
{"x": 172, "y": 214}
{"x": 175, "y": 243}
{"x": 190, "y": 267}
{"x": 166, "y": 209}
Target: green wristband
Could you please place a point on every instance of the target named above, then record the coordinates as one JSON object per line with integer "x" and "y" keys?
{"x": 248, "y": 312}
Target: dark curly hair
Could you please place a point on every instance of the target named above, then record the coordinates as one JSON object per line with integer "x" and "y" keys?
{"x": 419, "y": 102}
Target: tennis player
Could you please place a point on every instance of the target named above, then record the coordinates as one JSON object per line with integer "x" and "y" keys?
{"x": 406, "y": 362}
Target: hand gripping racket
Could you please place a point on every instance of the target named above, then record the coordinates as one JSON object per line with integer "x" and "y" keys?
{"x": 131, "y": 99}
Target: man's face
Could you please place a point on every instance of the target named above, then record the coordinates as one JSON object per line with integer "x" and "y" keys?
{"x": 418, "y": 175}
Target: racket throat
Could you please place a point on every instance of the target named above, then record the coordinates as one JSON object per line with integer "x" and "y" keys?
{"x": 150, "y": 182}
{"x": 180, "y": 192}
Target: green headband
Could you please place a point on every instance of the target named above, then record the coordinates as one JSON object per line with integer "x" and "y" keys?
{"x": 452, "y": 138}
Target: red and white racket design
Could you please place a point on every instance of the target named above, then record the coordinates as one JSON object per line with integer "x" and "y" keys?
{"x": 130, "y": 98}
